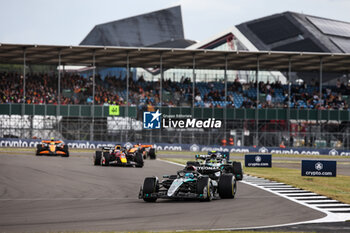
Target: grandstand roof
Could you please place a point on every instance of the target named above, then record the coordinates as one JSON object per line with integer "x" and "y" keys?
{"x": 180, "y": 43}
{"x": 173, "y": 58}
{"x": 141, "y": 30}
{"x": 290, "y": 31}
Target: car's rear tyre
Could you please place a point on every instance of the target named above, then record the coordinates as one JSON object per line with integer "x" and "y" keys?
{"x": 152, "y": 153}
{"x": 38, "y": 149}
{"x": 150, "y": 186}
{"x": 65, "y": 149}
{"x": 237, "y": 170}
{"x": 106, "y": 159}
{"x": 205, "y": 188}
{"x": 97, "y": 158}
{"x": 227, "y": 186}
{"x": 138, "y": 160}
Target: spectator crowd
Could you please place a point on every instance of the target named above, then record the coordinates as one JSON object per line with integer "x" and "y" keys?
{"x": 76, "y": 89}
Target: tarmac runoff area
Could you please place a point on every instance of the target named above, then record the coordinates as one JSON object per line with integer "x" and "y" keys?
{"x": 50, "y": 194}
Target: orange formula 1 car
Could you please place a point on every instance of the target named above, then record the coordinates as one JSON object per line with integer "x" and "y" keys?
{"x": 145, "y": 150}
{"x": 52, "y": 147}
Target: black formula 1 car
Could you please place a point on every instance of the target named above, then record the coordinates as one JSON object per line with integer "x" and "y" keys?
{"x": 214, "y": 161}
{"x": 53, "y": 148}
{"x": 189, "y": 184}
{"x": 117, "y": 156}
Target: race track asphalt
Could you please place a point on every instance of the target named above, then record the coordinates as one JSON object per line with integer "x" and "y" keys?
{"x": 50, "y": 194}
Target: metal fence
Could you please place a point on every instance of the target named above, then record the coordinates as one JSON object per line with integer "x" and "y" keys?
{"x": 274, "y": 127}
{"x": 200, "y": 113}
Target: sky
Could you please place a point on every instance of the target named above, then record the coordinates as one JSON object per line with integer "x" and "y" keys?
{"x": 67, "y": 22}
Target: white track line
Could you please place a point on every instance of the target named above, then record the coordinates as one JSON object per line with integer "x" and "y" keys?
{"x": 330, "y": 217}
{"x": 303, "y": 199}
{"x": 302, "y": 194}
{"x": 271, "y": 185}
{"x": 64, "y": 199}
{"x": 291, "y": 191}
{"x": 337, "y": 209}
{"x": 335, "y": 201}
{"x": 334, "y": 204}
{"x": 310, "y": 198}
{"x": 284, "y": 188}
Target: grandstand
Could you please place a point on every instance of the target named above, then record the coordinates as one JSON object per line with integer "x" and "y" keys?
{"x": 111, "y": 90}
{"x": 227, "y": 77}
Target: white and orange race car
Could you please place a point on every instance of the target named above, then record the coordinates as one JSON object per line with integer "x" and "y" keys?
{"x": 52, "y": 147}
{"x": 145, "y": 150}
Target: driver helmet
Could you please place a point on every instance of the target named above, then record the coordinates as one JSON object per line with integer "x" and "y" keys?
{"x": 189, "y": 175}
{"x": 213, "y": 158}
{"x": 191, "y": 168}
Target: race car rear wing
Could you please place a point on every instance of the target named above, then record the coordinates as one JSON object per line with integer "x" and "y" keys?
{"x": 224, "y": 154}
{"x": 208, "y": 156}
{"x": 107, "y": 148}
{"x": 49, "y": 141}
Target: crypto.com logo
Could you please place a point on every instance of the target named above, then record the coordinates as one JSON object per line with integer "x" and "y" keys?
{"x": 333, "y": 152}
{"x": 257, "y": 159}
{"x": 263, "y": 150}
{"x": 194, "y": 147}
{"x": 151, "y": 120}
{"x": 318, "y": 166}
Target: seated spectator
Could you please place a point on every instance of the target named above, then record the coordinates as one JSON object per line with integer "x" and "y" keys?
{"x": 76, "y": 89}
{"x": 198, "y": 98}
{"x": 269, "y": 99}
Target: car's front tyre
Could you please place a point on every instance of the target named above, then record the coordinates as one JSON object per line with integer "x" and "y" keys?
{"x": 237, "y": 170}
{"x": 227, "y": 186}
{"x": 138, "y": 160}
{"x": 150, "y": 186}
{"x": 105, "y": 159}
{"x": 152, "y": 153}
{"x": 205, "y": 189}
{"x": 97, "y": 158}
